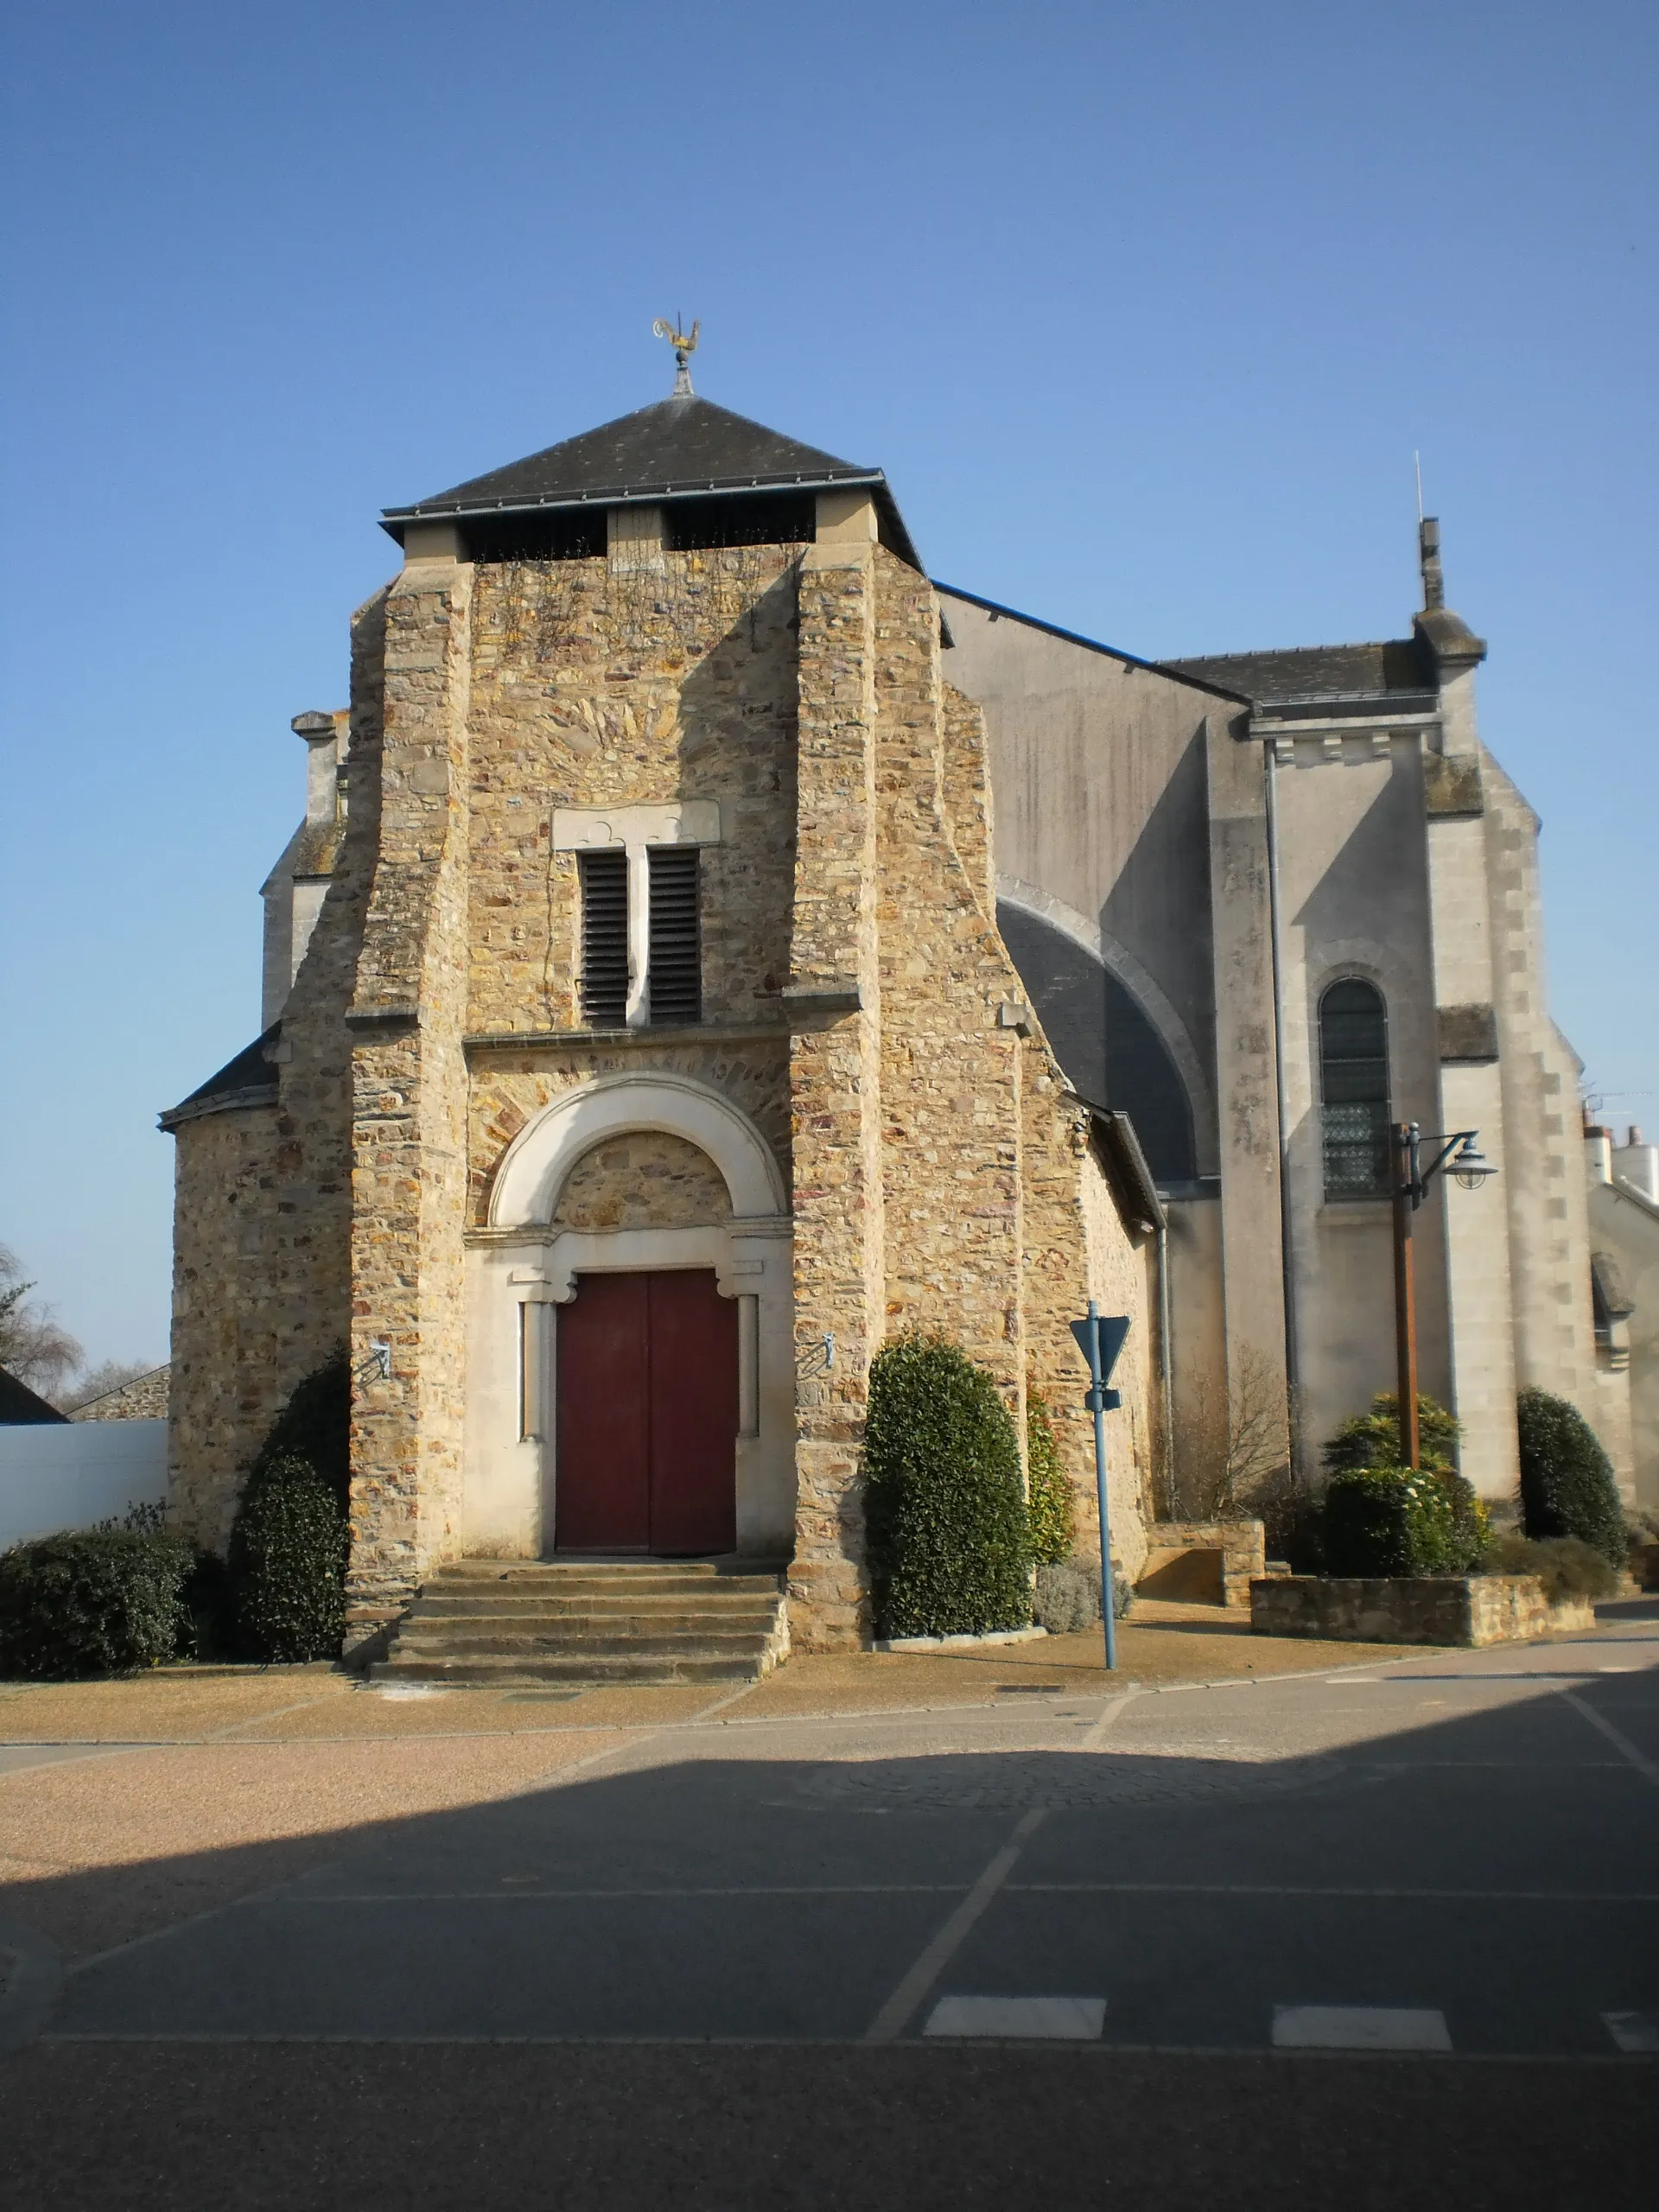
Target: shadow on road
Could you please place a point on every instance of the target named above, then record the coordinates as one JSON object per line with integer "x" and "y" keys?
{"x": 653, "y": 1983}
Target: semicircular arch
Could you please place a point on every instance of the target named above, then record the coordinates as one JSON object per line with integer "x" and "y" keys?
{"x": 534, "y": 1168}
{"x": 1153, "y": 1000}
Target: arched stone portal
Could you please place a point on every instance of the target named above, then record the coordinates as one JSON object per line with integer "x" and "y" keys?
{"x": 709, "y": 1197}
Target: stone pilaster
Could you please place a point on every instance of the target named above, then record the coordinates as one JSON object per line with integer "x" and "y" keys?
{"x": 1480, "y": 1297}
{"x": 410, "y": 1096}
{"x": 834, "y": 1070}
{"x": 1253, "y": 1276}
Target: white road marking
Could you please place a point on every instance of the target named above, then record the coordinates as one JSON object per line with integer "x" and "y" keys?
{"x": 901, "y": 2007}
{"x": 1358, "y": 2027}
{"x": 1633, "y": 2031}
{"x": 1637, "y": 1758}
{"x": 1050, "y": 2020}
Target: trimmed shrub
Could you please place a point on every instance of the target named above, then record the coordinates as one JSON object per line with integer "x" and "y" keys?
{"x": 315, "y": 1424}
{"x": 1566, "y": 1479}
{"x": 1402, "y": 1521}
{"x": 91, "y": 1601}
{"x": 287, "y": 1564}
{"x": 1048, "y": 1494}
{"x": 1067, "y": 1598}
{"x": 1372, "y": 1440}
{"x": 1567, "y": 1567}
{"x": 950, "y": 1536}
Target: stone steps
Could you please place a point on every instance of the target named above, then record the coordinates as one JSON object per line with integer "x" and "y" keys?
{"x": 524, "y": 1622}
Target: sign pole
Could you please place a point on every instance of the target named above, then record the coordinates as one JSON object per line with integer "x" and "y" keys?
{"x": 1097, "y": 1400}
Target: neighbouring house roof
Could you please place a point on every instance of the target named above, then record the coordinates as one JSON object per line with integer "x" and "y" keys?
{"x": 18, "y": 1403}
{"x": 1395, "y": 670}
{"x": 143, "y": 1398}
{"x": 682, "y": 448}
{"x": 248, "y": 1080}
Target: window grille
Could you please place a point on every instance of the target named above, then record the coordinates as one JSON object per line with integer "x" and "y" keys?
{"x": 1354, "y": 1091}
{"x": 766, "y": 518}
{"x": 562, "y": 535}
{"x": 604, "y": 938}
{"x": 676, "y": 968}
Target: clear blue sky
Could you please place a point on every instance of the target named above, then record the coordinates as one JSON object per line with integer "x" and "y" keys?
{"x": 1143, "y": 309}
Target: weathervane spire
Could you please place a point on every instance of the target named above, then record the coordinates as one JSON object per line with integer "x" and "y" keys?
{"x": 684, "y": 343}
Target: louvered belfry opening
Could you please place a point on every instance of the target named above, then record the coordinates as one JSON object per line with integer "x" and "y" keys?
{"x": 604, "y": 938}
{"x": 675, "y": 942}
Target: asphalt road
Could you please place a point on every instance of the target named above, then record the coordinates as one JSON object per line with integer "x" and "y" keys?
{"x": 1387, "y": 1937}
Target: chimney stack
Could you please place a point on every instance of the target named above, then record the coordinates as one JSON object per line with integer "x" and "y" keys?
{"x": 1428, "y": 559}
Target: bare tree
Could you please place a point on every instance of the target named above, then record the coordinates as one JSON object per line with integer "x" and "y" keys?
{"x": 98, "y": 1381}
{"x": 33, "y": 1345}
{"x": 1230, "y": 1441}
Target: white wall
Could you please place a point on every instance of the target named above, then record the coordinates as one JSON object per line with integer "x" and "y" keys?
{"x": 68, "y": 1475}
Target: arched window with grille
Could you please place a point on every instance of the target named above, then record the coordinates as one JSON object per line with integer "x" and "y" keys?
{"x": 1354, "y": 1089}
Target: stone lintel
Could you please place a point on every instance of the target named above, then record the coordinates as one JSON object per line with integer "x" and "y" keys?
{"x": 699, "y": 1032}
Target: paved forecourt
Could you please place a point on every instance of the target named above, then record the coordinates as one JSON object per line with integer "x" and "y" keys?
{"x": 1446, "y": 1855}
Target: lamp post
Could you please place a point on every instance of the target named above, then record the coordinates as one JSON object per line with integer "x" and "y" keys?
{"x": 1410, "y": 1179}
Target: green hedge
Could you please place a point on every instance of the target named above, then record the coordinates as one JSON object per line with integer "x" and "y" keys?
{"x": 1048, "y": 1494}
{"x": 950, "y": 1537}
{"x": 1566, "y": 1479}
{"x": 93, "y": 1601}
{"x": 1402, "y": 1521}
{"x": 315, "y": 1424}
{"x": 1372, "y": 1440}
{"x": 287, "y": 1564}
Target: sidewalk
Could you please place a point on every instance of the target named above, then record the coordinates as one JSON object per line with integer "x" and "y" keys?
{"x": 1162, "y": 1644}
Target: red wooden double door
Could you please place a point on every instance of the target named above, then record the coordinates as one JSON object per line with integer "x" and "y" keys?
{"x": 647, "y": 1420}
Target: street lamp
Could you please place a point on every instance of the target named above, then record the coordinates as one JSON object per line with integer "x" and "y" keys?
{"x": 1461, "y": 1158}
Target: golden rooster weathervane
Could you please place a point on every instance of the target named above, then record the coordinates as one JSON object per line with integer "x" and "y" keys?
{"x": 684, "y": 344}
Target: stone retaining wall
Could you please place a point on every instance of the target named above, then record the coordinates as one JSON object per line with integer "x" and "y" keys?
{"x": 1468, "y": 1610}
{"x": 1239, "y": 1548}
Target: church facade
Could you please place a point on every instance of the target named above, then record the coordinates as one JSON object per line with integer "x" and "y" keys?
{"x": 1270, "y": 904}
{"x": 639, "y": 1048}
{"x": 712, "y": 948}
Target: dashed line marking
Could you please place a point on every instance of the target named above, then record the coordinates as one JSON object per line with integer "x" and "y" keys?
{"x": 1049, "y": 2020}
{"x": 1358, "y": 2027}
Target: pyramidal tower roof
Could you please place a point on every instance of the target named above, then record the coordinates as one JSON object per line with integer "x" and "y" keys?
{"x": 684, "y": 447}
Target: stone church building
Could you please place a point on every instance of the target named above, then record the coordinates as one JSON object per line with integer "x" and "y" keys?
{"x": 711, "y": 949}
{"x": 1268, "y": 903}
{"x": 639, "y": 1049}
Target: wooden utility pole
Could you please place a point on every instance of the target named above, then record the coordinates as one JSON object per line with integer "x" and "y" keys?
{"x": 1402, "y": 1157}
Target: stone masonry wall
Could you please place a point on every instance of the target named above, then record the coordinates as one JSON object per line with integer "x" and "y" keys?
{"x": 971, "y": 1217}
{"x": 949, "y": 1074}
{"x": 262, "y": 1215}
{"x": 835, "y": 1089}
{"x": 647, "y": 1180}
{"x": 1542, "y": 1186}
{"x": 409, "y": 1180}
{"x": 593, "y": 687}
{"x": 510, "y": 1084}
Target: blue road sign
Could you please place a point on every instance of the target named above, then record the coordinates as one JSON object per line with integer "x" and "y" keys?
{"x": 1100, "y": 1339}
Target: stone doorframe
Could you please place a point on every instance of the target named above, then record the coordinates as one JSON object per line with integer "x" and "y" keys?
{"x": 520, "y": 1269}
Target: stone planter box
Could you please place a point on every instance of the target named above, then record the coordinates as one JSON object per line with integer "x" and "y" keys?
{"x": 1211, "y": 1562}
{"x": 1467, "y": 1609}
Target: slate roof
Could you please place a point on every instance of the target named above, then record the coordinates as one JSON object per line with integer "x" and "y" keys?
{"x": 681, "y": 447}
{"x": 248, "y": 1080}
{"x": 1392, "y": 669}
